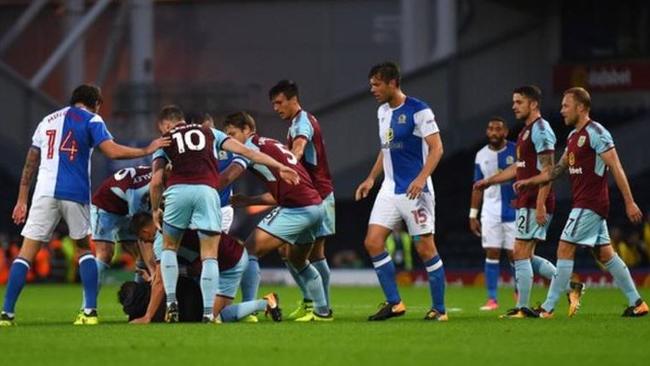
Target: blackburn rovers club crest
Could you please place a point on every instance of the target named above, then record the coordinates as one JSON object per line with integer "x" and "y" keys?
{"x": 581, "y": 140}
{"x": 572, "y": 159}
{"x": 526, "y": 133}
{"x": 401, "y": 119}
{"x": 510, "y": 160}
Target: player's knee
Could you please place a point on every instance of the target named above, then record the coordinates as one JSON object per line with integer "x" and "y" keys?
{"x": 374, "y": 246}
{"x": 492, "y": 253}
{"x": 603, "y": 253}
{"x": 104, "y": 251}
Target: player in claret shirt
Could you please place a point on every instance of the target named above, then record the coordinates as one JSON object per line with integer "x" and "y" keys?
{"x": 192, "y": 200}
{"x": 295, "y": 221}
{"x": 590, "y": 152}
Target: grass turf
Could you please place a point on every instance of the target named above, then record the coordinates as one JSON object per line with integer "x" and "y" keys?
{"x": 598, "y": 335}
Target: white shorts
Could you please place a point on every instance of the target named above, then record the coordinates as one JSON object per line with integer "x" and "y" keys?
{"x": 391, "y": 209}
{"x": 45, "y": 214}
{"x": 500, "y": 235}
{"x": 227, "y": 217}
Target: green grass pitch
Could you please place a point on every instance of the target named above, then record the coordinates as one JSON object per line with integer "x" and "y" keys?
{"x": 597, "y": 336}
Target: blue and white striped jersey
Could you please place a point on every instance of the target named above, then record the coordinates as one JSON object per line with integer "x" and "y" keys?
{"x": 497, "y": 199}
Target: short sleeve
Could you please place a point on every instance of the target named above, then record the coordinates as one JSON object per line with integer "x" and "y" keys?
{"x": 37, "y": 139}
{"x": 543, "y": 137}
{"x": 478, "y": 174}
{"x": 98, "y": 131}
{"x": 425, "y": 123}
{"x": 219, "y": 137}
{"x": 160, "y": 154}
{"x": 302, "y": 127}
{"x": 600, "y": 140}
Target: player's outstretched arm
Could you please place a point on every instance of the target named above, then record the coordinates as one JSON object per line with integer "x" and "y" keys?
{"x": 434, "y": 142}
{"x": 365, "y": 186}
{"x": 113, "y": 150}
{"x": 287, "y": 174}
{"x": 31, "y": 165}
{"x": 505, "y": 175}
{"x": 610, "y": 157}
{"x": 298, "y": 147}
{"x": 232, "y": 172}
{"x": 156, "y": 187}
{"x": 240, "y": 200}
{"x": 156, "y": 299}
{"x": 558, "y": 170}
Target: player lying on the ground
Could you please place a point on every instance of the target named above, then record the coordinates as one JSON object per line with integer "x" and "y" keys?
{"x": 232, "y": 262}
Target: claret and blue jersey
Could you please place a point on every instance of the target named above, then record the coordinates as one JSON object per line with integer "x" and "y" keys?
{"x": 402, "y": 131}
{"x": 66, "y": 139}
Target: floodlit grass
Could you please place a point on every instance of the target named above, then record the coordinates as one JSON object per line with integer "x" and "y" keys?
{"x": 597, "y": 336}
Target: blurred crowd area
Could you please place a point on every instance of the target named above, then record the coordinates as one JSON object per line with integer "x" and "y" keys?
{"x": 57, "y": 261}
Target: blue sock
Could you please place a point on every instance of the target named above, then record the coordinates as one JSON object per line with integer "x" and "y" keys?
{"x": 234, "y": 312}
{"x": 543, "y": 267}
{"x": 101, "y": 267}
{"x": 436, "y": 283}
{"x": 17, "y": 278}
{"x": 324, "y": 270}
{"x": 139, "y": 266}
{"x": 169, "y": 271}
{"x": 209, "y": 284}
{"x": 559, "y": 283}
{"x": 385, "y": 269}
{"x": 314, "y": 286}
{"x": 492, "y": 270}
{"x": 301, "y": 284}
{"x": 89, "y": 280}
{"x": 524, "y": 276}
{"x": 250, "y": 279}
{"x": 623, "y": 279}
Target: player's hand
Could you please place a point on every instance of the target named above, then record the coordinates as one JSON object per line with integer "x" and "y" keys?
{"x": 415, "y": 188}
{"x": 363, "y": 189}
{"x": 475, "y": 227}
{"x": 289, "y": 175}
{"x": 157, "y": 144}
{"x": 157, "y": 218}
{"x": 633, "y": 213}
{"x": 142, "y": 320}
{"x": 481, "y": 185}
{"x": 20, "y": 213}
{"x": 144, "y": 274}
{"x": 521, "y": 185}
{"x": 239, "y": 200}
{"x": 540, "y": 215}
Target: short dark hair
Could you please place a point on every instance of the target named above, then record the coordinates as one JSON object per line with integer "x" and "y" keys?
{"x": 500, "y": 119}
{"x": 531, "y": 92}
{"x": 581, "y": 95}
{"x": 386, "y": 71}
{"x": 287, "y": 87}
{"x": 86, "y": 94}
{"x": 240, "y": 120}
{"x": 140, "y": 220}
{"x": 171, "y": 112}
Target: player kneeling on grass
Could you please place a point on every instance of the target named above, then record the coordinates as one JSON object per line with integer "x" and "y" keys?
{"x": 232, "y": 262}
